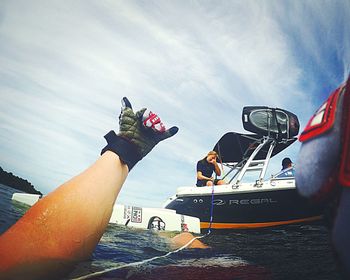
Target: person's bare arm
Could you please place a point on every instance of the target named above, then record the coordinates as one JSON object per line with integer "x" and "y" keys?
{"x": 200, "y": 176}
{"x": 65, "y": 226}
{"x": 184, "y": 238}
{"x": 217, "y": 168}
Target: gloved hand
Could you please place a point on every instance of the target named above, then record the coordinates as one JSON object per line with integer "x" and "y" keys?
{"x": 138, "y": 134}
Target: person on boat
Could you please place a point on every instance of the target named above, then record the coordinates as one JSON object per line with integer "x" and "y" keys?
{"x": 64, "y": 227}
{"x": 286, "y": 171}
{"x": 205, "y": 169}
{"x": 286, "y": 163}
{"x": 325, "y": 174}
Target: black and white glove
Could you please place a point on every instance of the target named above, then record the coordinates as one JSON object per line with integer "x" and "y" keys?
{"x": 138, "y": 134}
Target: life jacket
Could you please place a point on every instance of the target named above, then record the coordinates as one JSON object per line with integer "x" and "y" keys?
{"x": 344, "y": 174}
{"x": 324, "y": 158}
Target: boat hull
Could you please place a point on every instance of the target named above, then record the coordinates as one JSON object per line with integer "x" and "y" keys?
{"x": 247, "y": 209}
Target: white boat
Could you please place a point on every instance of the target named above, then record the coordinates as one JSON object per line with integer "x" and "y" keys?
{"x": 26, "y": 198}
{"x": 137, "y": 217}
{"x": 259, "y": 202}
{"x": 153, "y": 218}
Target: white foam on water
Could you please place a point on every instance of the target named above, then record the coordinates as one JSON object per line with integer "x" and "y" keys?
{"x": 228, "y": 261}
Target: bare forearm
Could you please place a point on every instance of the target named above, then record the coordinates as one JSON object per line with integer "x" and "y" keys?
{"x": 217, "y": 169}
{"x": 200, "y": 176}
{"x": 67, "y": 224}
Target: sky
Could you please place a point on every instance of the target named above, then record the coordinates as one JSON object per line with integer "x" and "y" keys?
{"x": 65, "y": 65}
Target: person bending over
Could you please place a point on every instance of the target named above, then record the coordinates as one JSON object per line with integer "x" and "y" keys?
{"x": 205, "y": 169}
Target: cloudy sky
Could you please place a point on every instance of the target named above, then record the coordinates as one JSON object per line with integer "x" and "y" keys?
{"x": 65, "y": 65}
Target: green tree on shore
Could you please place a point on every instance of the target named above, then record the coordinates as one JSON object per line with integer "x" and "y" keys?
{"x": 13, "y": 181}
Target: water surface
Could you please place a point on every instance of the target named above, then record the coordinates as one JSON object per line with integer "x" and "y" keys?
{"x": 288, "y": 252}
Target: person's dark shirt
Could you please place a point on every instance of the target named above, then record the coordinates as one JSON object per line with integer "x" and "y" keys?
{"x": 206, "y": 168}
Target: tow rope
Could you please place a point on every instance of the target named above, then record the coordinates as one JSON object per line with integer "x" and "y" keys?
{"x": 211, "y": 210}
{"x": 90, "y": 275}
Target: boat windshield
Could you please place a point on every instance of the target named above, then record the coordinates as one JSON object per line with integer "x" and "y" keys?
{"x": 286, "y": 173}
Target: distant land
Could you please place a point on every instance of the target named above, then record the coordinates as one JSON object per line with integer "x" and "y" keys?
{"x": 13, "y": 181}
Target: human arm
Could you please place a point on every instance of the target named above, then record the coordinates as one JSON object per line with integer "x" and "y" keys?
{"x": 217, "y": 169}
{"x": 200, "y": 176}
{"x": 184, "y": 238}
{"x": 66, "y": 225}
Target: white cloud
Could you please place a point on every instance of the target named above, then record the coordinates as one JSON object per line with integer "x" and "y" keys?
{"x": 65, "y": 67}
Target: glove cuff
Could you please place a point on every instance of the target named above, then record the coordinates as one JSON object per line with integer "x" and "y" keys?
{"x": 126, "y": 150}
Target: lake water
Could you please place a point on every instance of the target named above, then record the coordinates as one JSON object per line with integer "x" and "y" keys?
{"x": 288, "y": 252}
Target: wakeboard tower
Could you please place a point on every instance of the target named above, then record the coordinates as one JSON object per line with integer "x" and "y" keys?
{"x": 258, "y": 202}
